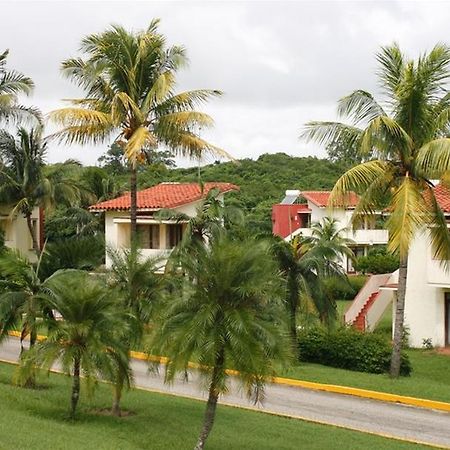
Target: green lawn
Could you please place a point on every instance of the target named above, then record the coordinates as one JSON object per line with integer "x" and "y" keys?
{"x": 430, "y": 378}
{"x": 35, "y": 419}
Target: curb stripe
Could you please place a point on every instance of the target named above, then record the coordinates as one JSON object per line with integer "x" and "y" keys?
{"x": 333, "y": 388}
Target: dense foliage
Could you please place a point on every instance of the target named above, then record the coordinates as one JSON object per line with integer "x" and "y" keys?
{"x": 377, "y": 261}
{"x": 350, "y": 349}
{"x": 340, "y": 289}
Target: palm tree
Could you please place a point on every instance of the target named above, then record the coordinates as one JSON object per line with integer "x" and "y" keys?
{"x": 12, "y": 85}
{"x": 23, "y": 183}
{"x": 304, "y": 269}
{"x": 140, "y": 290}
{"x": 21, "y": 303}
{"x": 225, "y": 313}
{"x": 210, "y": 217}
{"x": 87, "y": 339}
{"x": 409, "y": 143}
{"x": 129, "y": 79}
{"x": 328, "y": 241}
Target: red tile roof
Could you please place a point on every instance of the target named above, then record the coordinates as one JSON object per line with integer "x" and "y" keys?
{"x": 320, "y": 198}
{"x": 442, "y": 194}
{"x": 163, "y": 195}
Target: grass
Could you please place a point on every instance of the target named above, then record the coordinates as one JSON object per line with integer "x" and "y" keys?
{"x": 37, "y": 419}
{"x": 429, "y": 379}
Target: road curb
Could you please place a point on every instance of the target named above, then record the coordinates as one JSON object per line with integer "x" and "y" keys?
{"x": 333, "y": 388}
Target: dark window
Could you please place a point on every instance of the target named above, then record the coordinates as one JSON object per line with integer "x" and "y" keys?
{"x": 148, "y": 236}
{"x": 174, "y": 235}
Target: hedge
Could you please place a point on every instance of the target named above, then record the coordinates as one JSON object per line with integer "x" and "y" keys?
{"x": 345, "y": 290}
{"x": 347, "y": 348}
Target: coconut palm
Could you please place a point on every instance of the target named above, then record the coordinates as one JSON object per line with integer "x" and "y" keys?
{"x": 87, "y": 340}
{"x": 129, "y": 79}
{"x": 408, "y": 140}
{"x": 12, "y": 85}
{"x": 139, "y": 289}
{"x": 304, "y": 270}
{"x": 24, "y": 185}
{"x": 225, "y": 313}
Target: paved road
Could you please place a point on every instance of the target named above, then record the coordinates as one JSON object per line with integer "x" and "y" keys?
{"x": 375, "y": 416}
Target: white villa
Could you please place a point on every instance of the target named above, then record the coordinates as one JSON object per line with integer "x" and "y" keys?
{"x": 299, "y": 209}
{"x": 427, "y": 302}
{"x": 157, "y": 237}
{"x": 16, "y": 233}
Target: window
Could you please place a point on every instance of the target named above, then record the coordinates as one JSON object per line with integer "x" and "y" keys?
{"x": 148, "y": 236}
{"x": 174, "y": 235}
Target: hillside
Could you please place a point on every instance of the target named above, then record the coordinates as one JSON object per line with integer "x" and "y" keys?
{"x": 262, "y": 181}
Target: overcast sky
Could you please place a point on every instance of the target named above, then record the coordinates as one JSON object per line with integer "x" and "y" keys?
{"x": 279, "y": 63}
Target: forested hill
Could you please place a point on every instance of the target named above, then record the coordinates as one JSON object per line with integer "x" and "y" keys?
{"x": 262, "y": 181}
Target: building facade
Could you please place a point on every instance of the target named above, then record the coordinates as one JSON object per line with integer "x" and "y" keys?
{"x": 299, "y": 209}
{"x": 16, "y": 233}
{"x": 157, "y": 237}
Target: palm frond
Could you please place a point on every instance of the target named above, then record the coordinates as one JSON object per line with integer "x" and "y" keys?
{"x": 360, "y": 106}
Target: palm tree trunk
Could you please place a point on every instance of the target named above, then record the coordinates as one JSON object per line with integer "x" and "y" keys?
{"x": 399, "y": 318}
{"x": 133, "y": 205}
{"x": 32, "y": 231}
{"x": 117, "y": 395}
{"x": 211, "y": 405}
{"x": 75, "y": 387}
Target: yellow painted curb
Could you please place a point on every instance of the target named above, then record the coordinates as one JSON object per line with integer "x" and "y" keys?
{"x": 357, "y": 392}
{"x": 271, "y": 413}
{"x": 333, "y": 388}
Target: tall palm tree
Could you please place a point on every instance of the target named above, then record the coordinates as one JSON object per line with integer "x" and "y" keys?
{"x": 24, "y": 185}
{"x": 139, "y": 289}
{"x": 12, "y": 85}
{"x": 304, "y": 269}
{"x": 87, "y": 339}
{"x": 225, "y": 313}
{"x": 129, "y": 79}
{"x": 408, "y": 140}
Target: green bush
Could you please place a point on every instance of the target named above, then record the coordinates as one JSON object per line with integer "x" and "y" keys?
{"x": 378, "y": 260}
{"x": 340, "y": 289}
{"x": 347, "y": 348}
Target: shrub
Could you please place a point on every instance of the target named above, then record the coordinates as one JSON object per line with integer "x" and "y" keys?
{"x": 378, "y": 260}
{"x": 340, "y": 289}
{"x": 347, "y": 348}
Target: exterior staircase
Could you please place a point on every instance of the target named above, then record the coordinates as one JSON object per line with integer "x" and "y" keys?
{"x": 360, "y": 321}
{"x": 371, "y": 302}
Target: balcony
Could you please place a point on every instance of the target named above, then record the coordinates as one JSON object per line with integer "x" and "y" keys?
{"x": 369, "y": 237}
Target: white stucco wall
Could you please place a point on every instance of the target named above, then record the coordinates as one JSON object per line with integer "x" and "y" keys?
{"x": 117, "y": 235}
{"x": 425, "y": 300}
{"x": 17, "y": 235}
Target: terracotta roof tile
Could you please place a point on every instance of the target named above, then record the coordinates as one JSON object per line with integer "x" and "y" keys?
{"x": 442, "y": 194}
{"x": 163, "y": 195}
{"x": 320, "y": 198}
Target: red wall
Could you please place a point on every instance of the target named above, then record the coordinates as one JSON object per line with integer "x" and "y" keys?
{"x": 282, "y": 225}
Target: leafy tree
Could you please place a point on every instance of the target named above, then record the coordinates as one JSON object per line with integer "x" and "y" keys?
{"x": 140, "y": 290}
{"x": 129, "y": 79}
{"x": 87, "y": 339}
{"x": 409, "y": 146}
{"x": 12, "y": 85}
{"x": 114, "y": 160}
{"x": 224, "y": 313}
{"x": 23, "y": 183}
